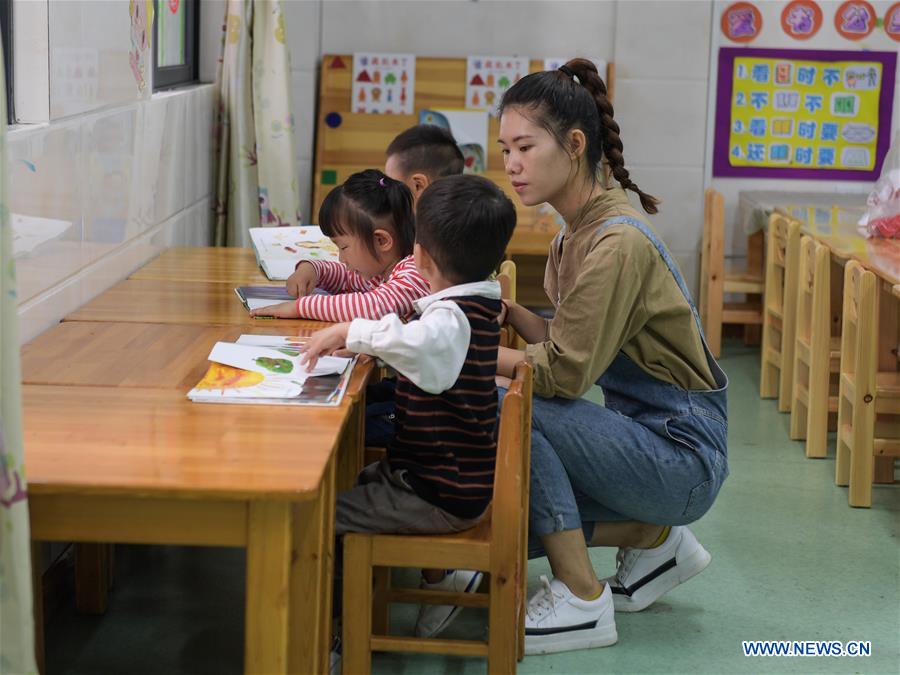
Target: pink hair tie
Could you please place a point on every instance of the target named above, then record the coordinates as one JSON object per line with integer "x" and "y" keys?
{"x": 381, "y": 181}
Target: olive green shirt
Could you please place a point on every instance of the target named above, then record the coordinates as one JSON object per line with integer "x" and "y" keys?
{"x": 613, "y": 291}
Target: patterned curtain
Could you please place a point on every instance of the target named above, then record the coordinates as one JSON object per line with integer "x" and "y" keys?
{"x": 16, "y": 622}
{"x": 257, "y": 173}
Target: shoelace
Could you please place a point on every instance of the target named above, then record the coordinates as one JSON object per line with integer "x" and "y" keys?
{"x": 543, "y": 601}
{"x": 624, "y": 561}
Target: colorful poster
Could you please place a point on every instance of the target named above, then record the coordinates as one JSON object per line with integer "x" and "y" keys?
{"x": 487, "y": 77}
{"x": 741, "y": 22}
{"x": 803, "y": 113}
{"x": 384, "y": 83}
{"x": 801, "y": 19}
{"x": 470, "y": 130}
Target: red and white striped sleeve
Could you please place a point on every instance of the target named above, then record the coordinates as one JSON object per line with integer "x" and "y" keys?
{"x": 336, "y": 277}
{"x": 395, "y": 296}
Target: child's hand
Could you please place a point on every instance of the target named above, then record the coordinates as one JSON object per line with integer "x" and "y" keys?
{"x": 283, "y": 310}
{"x": 322, "y": 342}
{"x": 302, "y": 281}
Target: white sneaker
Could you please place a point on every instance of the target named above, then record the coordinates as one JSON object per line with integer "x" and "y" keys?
{"x": 435, "y": 618}
{"x": 334, "y": 667}
{"x": 643, "y": 575}
{"x": 556, "y": 620}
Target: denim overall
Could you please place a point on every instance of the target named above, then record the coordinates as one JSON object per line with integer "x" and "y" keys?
{"x": 655, "y": 453}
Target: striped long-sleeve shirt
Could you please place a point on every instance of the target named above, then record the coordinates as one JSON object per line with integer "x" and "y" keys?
{"x": 354, "y": 297}
{"x": 445, "y": 428}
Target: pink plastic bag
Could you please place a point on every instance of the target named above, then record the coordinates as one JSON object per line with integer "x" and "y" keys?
{"x": 882, "y": 218}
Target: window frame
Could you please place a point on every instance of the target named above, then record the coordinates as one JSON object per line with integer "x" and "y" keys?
{"x": 169, "y": 77}
{"x": 6, "y": 26}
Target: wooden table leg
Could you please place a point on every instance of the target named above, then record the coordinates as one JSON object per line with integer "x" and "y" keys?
{"x": 92, "y": 577}
{"x": 312, "y": 573}
{"x": 351, "y": 450}
{"x": 266, "y": 631}
{"x": 37, "y": 590}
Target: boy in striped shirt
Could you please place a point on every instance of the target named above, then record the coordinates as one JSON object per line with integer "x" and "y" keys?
{"x": 438, "y": 475}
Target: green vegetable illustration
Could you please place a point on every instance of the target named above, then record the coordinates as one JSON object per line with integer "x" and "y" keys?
{"x": 275, "y": 365}
{"x": 290, "y": 351}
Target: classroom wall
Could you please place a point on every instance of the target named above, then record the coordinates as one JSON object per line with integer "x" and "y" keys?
{"x": 129, "y": 170}
{"x": 772, "y": 36}
{"x": 661, "y": 76}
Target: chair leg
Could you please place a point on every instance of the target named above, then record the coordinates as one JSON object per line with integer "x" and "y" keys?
{"x": 503, "y": 633}
{"x": 768, "y": 376}
{"x": 357, "y": 630}
{"x": 884, "y": 470}
{"x": 92, "y": 577}
{"x": 843, "y": 451}
{"x": 799, "y": 411}
{"x": 861, "y": 457}
{"x": 381, "y": 614}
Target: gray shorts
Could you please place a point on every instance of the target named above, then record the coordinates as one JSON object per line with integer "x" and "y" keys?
{"x": 382, "y": 501}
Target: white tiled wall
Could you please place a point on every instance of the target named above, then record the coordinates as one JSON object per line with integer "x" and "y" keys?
{"x": 132, "y": 180}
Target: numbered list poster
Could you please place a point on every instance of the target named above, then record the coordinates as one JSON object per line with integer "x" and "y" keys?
{"x": 790, "y": 113}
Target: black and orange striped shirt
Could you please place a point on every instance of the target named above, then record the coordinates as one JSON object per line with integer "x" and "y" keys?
{"x": 447, "y": 442}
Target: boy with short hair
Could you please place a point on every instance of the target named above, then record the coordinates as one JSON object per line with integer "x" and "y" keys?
{"x": 438, "y": 474}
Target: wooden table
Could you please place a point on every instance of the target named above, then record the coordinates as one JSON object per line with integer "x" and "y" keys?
{"x": 179, "y": 302}
{"x": 223, "y": 265}
{"x": 117, "y": 453}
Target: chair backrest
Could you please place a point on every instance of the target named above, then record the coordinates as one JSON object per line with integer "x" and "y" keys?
{"x": 859, "y": 335}
{"x": 814, "y": 294}
{"x": 712, "y": 258}
{"x": 781, "y": 256}
{"x": 507, "y": 278}
{"x": 513, "y": 453}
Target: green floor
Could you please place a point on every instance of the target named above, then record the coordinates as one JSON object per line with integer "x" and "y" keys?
{"x": 791, "y": 561}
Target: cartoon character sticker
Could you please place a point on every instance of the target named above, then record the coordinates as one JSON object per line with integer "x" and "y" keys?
{"x": 801, "y": 19}
{"x": 892, "y": 21}
{"x": 855, "y": 19}
{"x": 141, "y": 12}
{"x": 741, "y": 22}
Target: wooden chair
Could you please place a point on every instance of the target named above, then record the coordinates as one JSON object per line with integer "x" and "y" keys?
{"x": 779, "y": 314}
{"x": 715, "y": 282}
{"x": 817, "y": 353}
{"x": 497, "y": 545}
{"x": 507, "y": 278}
{"x": 869, "y": 407}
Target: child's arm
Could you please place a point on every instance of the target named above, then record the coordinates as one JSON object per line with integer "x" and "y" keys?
{"x": 336, "y": 277}
{"x": 396, "y": 295}
{"x": 430, "y": 351}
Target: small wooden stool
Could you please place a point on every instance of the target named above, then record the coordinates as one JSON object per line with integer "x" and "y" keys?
{"x": 497, "y": 545}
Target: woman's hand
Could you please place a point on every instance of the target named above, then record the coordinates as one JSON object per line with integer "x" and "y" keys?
{"x": 303, "y": 280}
{"x": 325, "y": 341}
{"x": 283, "y": 310}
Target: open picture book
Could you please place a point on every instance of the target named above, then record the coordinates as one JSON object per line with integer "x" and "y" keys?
{"x": 279, "y": 249}
{"x": 266, "y": 369}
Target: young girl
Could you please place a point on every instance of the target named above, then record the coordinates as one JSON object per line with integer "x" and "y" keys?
{"x": 370, "y": 219}
{"x": 633, "y": 472}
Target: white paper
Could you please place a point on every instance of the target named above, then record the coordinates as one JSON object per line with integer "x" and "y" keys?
{"x": 274, "y": 361}
{"x": 29, "y": 232}
{"x": 487, "y": 77}
{"x": 383, "y": 83}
